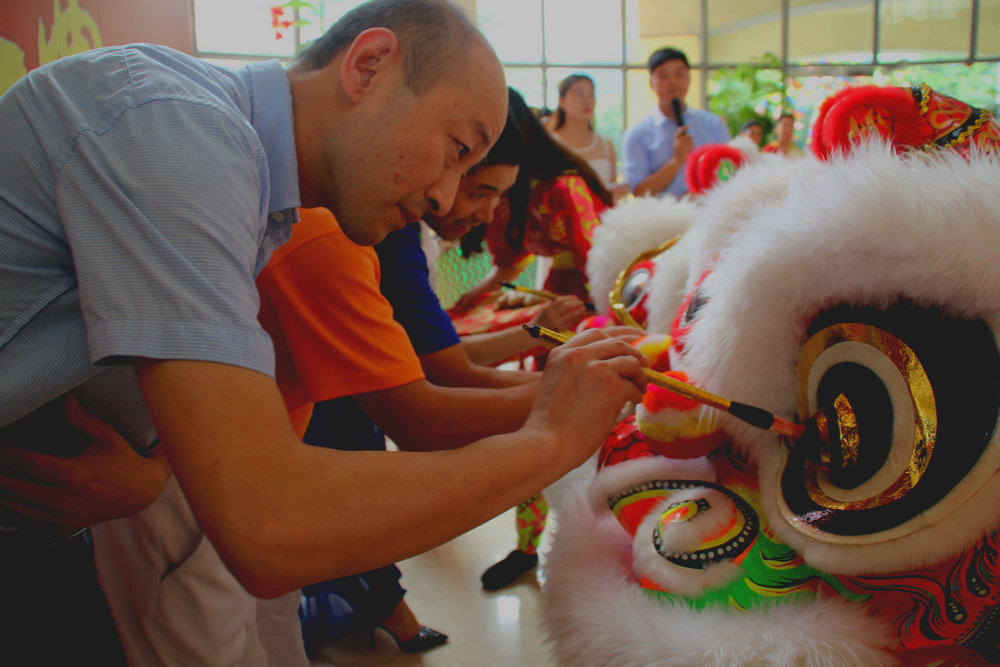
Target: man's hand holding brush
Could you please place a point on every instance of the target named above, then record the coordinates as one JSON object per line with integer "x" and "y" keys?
{"x": 585, "y": 384}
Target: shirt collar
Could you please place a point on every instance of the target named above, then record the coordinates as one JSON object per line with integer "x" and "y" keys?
{"x": 271, "y": 117}
{"x": 660, "y": 118}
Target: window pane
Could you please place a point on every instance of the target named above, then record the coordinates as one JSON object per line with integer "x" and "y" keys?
{"x": 528, "y": 82}
{"x": 641, "y": 99}
{"x": 824, "y": 32}
{"x": 240, "y": 26}
{"x": 740, "y": 30}
{"x": 583, "y": 33}
{"x": 513, "y": 27}
{"x": 988, "y": 45}
{"x": 917, "y": 30}
{"x": 327, "y": 13}
{"x": 653, "y": 24}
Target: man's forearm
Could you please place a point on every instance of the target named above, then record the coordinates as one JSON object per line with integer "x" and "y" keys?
{"x": 354, "y": 511}
{"x": 494, "y": 346}
{"x": 283, "y": 514}
{"x": 421, "y": 416}
{"x": 660, "y": 179}
{"x": 450, "y": 367}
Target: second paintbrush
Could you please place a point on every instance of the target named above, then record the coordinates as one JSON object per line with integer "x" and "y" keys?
{"x": 542, "y": 293}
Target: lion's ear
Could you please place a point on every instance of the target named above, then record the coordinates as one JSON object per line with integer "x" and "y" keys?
{"x": 854, "y": 114}
{"x": 711, "y": 164}
{"x": 905, "y": 117}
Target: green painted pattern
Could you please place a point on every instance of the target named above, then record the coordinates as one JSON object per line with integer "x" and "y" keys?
{"x": 770, "y": 571}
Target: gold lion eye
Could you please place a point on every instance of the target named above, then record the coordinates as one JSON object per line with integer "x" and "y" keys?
{"x": 838, "y": 478}
{"x": 905, "y": 402}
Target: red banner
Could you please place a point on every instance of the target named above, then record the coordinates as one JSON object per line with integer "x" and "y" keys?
{"x": 35, "y": 32}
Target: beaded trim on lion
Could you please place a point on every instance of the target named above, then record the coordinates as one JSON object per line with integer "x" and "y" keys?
{"x": 954, "y": 122}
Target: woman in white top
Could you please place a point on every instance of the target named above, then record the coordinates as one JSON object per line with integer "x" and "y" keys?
{"x": 573, "y": 125}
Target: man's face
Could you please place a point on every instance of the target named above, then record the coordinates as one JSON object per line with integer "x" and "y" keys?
{"x": 670, "y": 80}
{"x": 785, "y": 129}
{"x": 404, "y": 154}
{"x": 755, "y": 132}
{"x": 477, "y": 199}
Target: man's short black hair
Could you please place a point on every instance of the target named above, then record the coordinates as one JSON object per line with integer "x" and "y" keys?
{"x": 750, "y": 123}
{"x": 663, "y": 55}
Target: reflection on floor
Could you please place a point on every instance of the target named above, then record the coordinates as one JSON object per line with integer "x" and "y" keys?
{"x": 485, "y": 629}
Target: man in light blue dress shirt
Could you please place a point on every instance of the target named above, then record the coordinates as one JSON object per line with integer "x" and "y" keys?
{"x": 140, "y": 191}
{"x": 655, "y": 151}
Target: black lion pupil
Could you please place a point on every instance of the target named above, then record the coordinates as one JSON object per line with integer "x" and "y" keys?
{"x": 635, "y": 287}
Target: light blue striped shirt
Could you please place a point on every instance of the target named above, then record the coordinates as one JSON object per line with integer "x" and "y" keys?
{"x": 649, "y": 145}
{"x": 141, "y": 190}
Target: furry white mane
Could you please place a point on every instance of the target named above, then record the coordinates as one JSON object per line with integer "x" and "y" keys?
{"x": 868, "y": 228}
{"x": 723, "y": 210}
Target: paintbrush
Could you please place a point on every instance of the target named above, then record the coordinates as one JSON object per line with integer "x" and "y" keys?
{"x": 542, "y": 293}
{"x": 750, "y": 414}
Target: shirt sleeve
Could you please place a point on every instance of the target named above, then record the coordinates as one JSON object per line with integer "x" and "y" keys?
{"x": 336, "y": 330}
{"x": 635, "y": 157}
{"x": 406, "y": 284}
{"x": 165, "y": 236}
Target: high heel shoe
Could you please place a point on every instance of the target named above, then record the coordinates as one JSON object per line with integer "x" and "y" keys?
{"x": 426, "y": 638}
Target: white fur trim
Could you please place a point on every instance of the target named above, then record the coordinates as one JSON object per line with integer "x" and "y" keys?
{"x": 725, "y": 208}
{"x": 667, "y": 287}
{"x": 745, "y": 145}
{"x": 685, "y": 536}
{"x": 614, "y": 479}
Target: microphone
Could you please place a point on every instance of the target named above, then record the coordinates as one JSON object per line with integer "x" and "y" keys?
{"x": 678, "y": 113}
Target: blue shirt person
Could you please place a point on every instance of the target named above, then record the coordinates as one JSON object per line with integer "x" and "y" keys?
{"x": 655, "y": 151}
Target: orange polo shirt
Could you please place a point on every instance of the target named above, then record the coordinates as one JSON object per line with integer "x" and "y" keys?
{"x": 332, "y": 329}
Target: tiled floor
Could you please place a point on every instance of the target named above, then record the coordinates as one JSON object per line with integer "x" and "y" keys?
{"x": 485, "y": 629}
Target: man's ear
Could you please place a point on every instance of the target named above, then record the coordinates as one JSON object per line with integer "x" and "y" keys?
{"x": 369, "y": 57}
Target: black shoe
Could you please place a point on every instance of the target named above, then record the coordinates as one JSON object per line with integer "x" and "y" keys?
{"x": 506, "y": 571}
{"x": 426, "y": 638}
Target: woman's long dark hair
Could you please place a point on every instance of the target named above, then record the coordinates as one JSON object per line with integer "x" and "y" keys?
{"x": 544, "y": 160}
